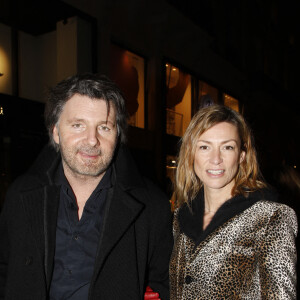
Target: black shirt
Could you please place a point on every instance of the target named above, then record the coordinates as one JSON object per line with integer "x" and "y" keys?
{"x": 77, "y": 240}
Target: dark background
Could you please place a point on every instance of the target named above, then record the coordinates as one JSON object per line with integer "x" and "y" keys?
{"x": 259, "y": 38}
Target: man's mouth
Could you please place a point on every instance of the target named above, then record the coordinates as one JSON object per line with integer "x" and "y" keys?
{"x": 91, "y": 155}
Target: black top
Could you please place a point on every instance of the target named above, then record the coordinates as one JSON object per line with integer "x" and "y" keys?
{"x": 191, "y": 218}
{"x": 77, "y": 240}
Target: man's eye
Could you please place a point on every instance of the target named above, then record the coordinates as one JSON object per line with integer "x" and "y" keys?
{"x": 104, "y": 128}
{"x": 76, "y": 125}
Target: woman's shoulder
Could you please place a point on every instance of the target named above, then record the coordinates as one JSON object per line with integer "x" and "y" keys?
{"x": 272, "y": 206}
{"x": 275, "y": 212}
{"x": 266, "y": 200}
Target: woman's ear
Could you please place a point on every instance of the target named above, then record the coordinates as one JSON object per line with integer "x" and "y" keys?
{"x": 242, "y": 156}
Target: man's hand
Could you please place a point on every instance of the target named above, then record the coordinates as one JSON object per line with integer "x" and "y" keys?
{"x": 149, "y": 294}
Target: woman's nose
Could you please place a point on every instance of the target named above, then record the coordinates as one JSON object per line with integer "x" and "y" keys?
{"x": 216, "y": 157}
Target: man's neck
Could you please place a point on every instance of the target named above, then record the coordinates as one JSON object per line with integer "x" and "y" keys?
{"x": 82, "y": 186}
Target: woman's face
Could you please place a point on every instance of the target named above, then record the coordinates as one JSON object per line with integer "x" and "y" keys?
{"x": 217, "y": 157}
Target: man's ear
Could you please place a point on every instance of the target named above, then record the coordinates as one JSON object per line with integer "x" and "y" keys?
{"x": 242, "y": 156}
{"x": 55, "y": 134}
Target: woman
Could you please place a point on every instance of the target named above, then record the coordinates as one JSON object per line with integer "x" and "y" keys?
{"x": 230, "y": 240}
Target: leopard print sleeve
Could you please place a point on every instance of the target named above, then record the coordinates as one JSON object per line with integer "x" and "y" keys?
{"x": 176, "y": 260}
{"x": 277, "y": 255}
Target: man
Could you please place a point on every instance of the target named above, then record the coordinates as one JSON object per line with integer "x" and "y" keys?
{"x": 82, "y": 223}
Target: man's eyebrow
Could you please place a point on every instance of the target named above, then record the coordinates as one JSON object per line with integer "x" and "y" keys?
{"x": 70, "y": 121}
{"x": 107, "y": 122}
{"x": 75, "y": 120}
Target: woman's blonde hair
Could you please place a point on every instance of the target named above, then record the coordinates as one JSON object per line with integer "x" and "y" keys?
{"x": 248, "y": 177}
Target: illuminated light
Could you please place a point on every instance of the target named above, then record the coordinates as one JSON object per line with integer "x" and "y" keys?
{"x": 3, "y": 61}
{"x": 173, "y": 161}
{"x": 171, "y": 167}
{"x": 295, "y": 167}
{"x": 167, "y": 65}
{"x": 1, "y": 111}
{"x": 174, "y": 69}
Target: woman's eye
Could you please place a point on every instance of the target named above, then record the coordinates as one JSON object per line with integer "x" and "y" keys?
{"x": 228, "y": 147}
{"x": 203, "y": 147}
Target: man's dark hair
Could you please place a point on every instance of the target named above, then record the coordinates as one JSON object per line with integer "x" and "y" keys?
{"x": 94, "y": 86}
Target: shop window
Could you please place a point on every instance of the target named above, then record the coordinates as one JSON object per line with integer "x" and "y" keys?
{"x": 207, "y": 95}
{"x": 231, "y": 102}
{"x": 178, "y": 100}
{"x": 128, "y": 70}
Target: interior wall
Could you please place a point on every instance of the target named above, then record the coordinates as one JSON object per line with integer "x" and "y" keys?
{"x": 66, "y": 48}
{"x": 74, "y": 47}
{"x": 5, "y": 60}
{"x": 185, "y": 107}
{"x": 37, "y": 65}
{"x": 84, "y": 46}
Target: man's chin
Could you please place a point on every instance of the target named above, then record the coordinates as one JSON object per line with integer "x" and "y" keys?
{"x": 91, "y": 172}
{"x": 86, "y": 168}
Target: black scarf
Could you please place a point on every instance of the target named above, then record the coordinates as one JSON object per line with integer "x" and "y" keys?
{"x": 191, "y": 218}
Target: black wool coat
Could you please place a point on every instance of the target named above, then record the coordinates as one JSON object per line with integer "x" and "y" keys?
{"x": 133, "y": 251}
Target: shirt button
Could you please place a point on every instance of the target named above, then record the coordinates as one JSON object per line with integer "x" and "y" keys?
{"x": 28, "y": 260}
{"x": 188, "y": 279}
{"x": 76, "y": 237}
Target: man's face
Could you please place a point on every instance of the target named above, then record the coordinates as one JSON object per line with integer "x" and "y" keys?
{"x": 87, "y": 136}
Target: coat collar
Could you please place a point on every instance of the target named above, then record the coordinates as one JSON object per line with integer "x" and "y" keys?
{"x": 127, "y": 174}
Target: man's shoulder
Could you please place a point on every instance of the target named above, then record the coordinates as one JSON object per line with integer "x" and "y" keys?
{"x": 155, "y": 198}
{"x": 24, "y": 182}
{"x": 130, "y": 179}
{"x": 36, "y": 176}
{"x": 153, "y": 188}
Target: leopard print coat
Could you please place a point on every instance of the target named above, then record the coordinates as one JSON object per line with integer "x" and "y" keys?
{"x": 251, "y": 256}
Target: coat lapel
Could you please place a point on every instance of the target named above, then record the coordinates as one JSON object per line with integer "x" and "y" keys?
{"x": 123, "y": 209}
{"x": 32, "y": 202}
{"x": 41, "y": 206}
{"x": 51, "y": 202}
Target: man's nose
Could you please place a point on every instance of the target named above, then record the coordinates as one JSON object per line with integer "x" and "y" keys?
{"x": 92, "y": 136}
